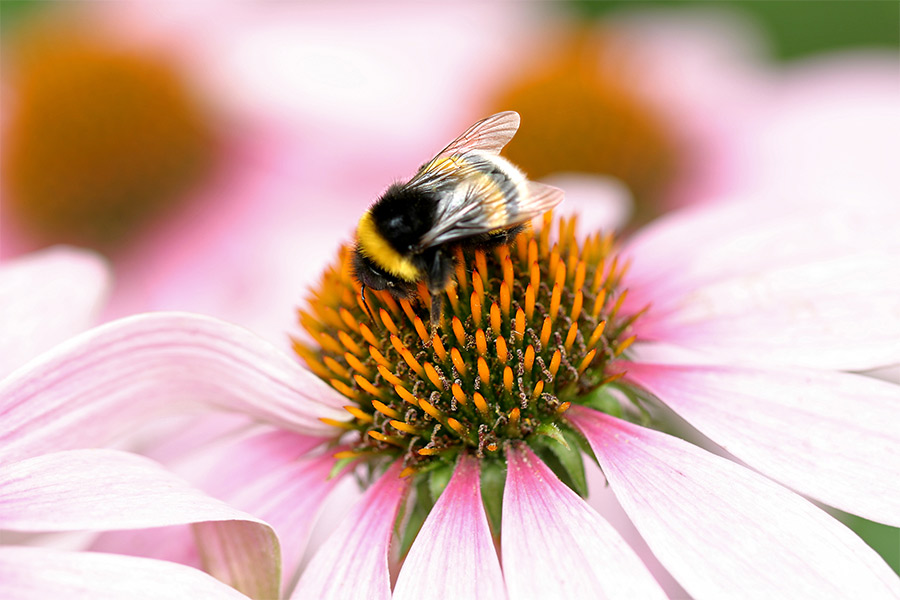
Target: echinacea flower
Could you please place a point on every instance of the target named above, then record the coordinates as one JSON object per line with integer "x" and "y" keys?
{"x": 552, "y": 352}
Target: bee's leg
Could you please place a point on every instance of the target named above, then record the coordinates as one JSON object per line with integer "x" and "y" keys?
{"x": 437, "y": 304}
{"x": 439, "y": 271}
{"x": 362, "y": 296}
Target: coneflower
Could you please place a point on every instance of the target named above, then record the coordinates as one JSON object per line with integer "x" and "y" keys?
{"x": 552, "y": 353}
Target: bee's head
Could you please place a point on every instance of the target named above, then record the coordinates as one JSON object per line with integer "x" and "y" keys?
{"x": 370, "y": 275}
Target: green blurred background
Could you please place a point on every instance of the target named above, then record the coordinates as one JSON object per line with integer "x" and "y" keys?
{"x": 795, "y": 28}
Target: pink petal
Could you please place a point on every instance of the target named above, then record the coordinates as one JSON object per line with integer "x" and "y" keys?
{"x": 718, "y": 527}
{"x": 109, "y": 489}
{"x": 353, "y": 562}
{"x": 32, "y": 316}
{"x": 233, "y": 465}
{"x": 108, "y": 380}
{"x": 705, "y": 244}
{"x": 453, "y": 555}
{"x": 556, "y": 546}
{"x": 245, "y": 556}
{"x": 265, "y": 475}
{"x": 40, "y": 573}
{"x": 832, "y": 436}
{"x": 806, "y": 290}
{"x": 288, "y": 499}
{"x": 173, "y": 544}
{"x": 100, "y": 489}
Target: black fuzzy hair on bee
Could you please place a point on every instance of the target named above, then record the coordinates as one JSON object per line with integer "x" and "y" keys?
{"x": 403, "y": 215}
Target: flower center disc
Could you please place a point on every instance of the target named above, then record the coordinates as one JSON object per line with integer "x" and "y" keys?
{"x": 527, "y": 329}
{"x": 100, "y": 137}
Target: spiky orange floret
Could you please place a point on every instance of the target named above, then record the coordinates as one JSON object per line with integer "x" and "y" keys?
{"x": 511, "y": 358}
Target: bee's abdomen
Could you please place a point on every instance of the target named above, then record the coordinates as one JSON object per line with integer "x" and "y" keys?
{"x": 500, "y": 181}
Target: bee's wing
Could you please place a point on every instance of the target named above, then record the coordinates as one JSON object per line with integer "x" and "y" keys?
{"x": 487, "y": 135}
{"x": 482, "y": 211}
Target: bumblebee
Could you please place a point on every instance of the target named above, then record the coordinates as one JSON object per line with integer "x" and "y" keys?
{"x": 467, "y": 196}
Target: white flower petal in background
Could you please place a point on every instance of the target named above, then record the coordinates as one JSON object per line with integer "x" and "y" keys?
{"x": 47, "y": 297}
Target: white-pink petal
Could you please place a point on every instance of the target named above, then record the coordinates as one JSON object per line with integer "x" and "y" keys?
{"x": 108, "y": 489}
{"x": 453, "y": 556}
{"x": 45, "y": 298}
{"x": 555, "y": 546}
{"x": 725, "y": 531}
{"x": 839, "y": 313}
{"x": 265, "y": 474}
{"x": 40, "y": 573}
{"x": 815, "y": 290}
{"x": 288, "y": 498}
{"x": 101, "y": 384}
{"x": 830, "y": 435}
{"x": 353, "y": 561}
{"x": 100, "y": 489}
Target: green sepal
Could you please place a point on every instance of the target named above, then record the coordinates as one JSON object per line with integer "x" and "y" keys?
{"x": 564, "y": 459}
{"x": 493, "y": 480}
{"x": 639, "y": 398}
{"x": 339, "y": 465}
{"x": 551, "y": 431}
{"x": 415, "y": 515}
{"x": 438, "y": 479}
{"x": 604, "y": 400}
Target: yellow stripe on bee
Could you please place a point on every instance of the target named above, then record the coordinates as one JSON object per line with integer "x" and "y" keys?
{"x": 373, "y": 245}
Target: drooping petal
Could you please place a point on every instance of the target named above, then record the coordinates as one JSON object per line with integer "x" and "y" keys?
{"x": 45, "y": 298}
{"x": 102, "y": 383}
{"x": 225, "y": 471}
{"x": 830, "y": 435}
{"x": 453, "y": 555}
{"x": 723, "y": 530}
{"x": 272, "y": 475}
{"x": 556, "y": 546}
{"x": 264, "y": 474}
{"x": 289, "y": 498}
{"x": 108, "y": 489}
{"x": 353, "y": 562}
{"x": 41, "y": 573}
{"x": 810, "y": 290}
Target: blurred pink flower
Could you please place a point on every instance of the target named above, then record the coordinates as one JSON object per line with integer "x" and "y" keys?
{"x": 303, "y": 101}
{"x": 751, "y": 324}
{"x": 685, "y": 107}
